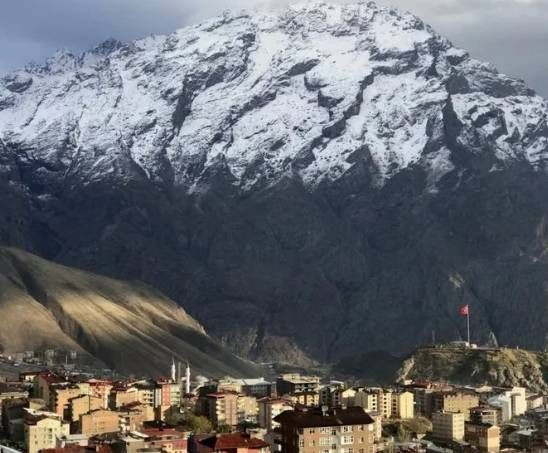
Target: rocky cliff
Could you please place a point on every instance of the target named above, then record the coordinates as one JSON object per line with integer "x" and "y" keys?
{"x": 312, "y": 183}
{"x": 499, "y": 367}
{"x": 127, "y": 326}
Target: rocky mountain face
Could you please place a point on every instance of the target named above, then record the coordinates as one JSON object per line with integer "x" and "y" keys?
{"x": 312, "y": 184}
{"x": 128, "y": 326}
{"x": 498, "y": 367}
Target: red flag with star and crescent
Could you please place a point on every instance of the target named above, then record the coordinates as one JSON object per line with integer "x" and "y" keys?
{"x": 464, "y": 311}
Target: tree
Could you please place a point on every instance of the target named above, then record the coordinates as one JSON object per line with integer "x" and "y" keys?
{"x": 198, "y": 424}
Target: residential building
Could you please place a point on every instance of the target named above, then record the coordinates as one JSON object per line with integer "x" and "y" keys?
{"x": 231, "y": 443}
{"x": 222, "y": 408}
{"x": 511, "y": 402}
{"x": 248, "y": 409}
{"x": 122, "y": 395}
{"x": 534, "y": 402}
{"x": 81, "y": 405}
{"x": 292, "y": 383}
{"x": 270, "y": 408}
{"x": 367, "y": 400}
{"x": 448, "y": 425}
{"x": 349, "y": 430}
{"x": 99, "y": 422}
{"x": 42, "y": 429}
{"x": 336, "y": 396}
{"x": 484, "y": 414}
{"x": 258, "y": 388}
{"x": 455, "y": 402}
{"x": 101, "y": 389}
{"x": 483, "y": 436}
{"x": 134, "y": 415}
{"x": 403, "y": 405}
{"x": 310, "y": 399}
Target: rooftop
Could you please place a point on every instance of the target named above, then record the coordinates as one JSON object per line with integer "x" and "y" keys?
{"x": 316, "y": 418}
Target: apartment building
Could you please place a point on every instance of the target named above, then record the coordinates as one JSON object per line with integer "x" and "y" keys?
{"x": 269, "y": 409}
{"x": 248, "y": 409}
{"x": 81, "y": 405}
{"x": 291, "y": 383}
{"x": 483, "y": 436}
{"x": 448, "y": 425}
{"x": 99, "y": 422}
{"x": 348, "y": 430}
{"x": 485, "y": 414}
{"x": 222, "y": 408}
{"x": 403, "y": 405}
{"x": 41, "y": 431}
{"x": 454, "y": 402}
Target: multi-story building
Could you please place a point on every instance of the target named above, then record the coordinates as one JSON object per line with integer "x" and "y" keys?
{"x": 258, "y": 388}
{"x": 134, "y": 415}
{"x": 269, "y": 409}
{"x": 248, "y": 409}
{"x": 511, "y": 402}
{"x": 483, "y": 436}
{"x": 310, "y": 399}
{"x": 168, "y": 394}
{"x": 122, "y": 395}
{"x": 454, "y": 402}
{"x": 41, "y": 431}
{"x": 43, "y": 382}
{"x": 292, "y": 383}
{"x": 337, "y": 396}
{"x": 101, "y": 389}
{"x": 101, "y": 421}
{"x": 60, "y": 396}
{"x": 484, "y": 414}
{"x": 81, "y": 405}
{"x": 403, "y": 405}
{"x": 222, "y": 408}
{"x": 349, "y": 430}
{"x": 448, "y": 425}
{"x": 367, "y": 400}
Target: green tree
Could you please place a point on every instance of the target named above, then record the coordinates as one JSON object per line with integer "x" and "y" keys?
{"x": 198, "y": 424}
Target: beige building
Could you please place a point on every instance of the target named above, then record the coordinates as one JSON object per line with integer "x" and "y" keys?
{"x": 448, "y": 425}
{"x": 455, "y": 402}
{"x": 248, "y": 409}
{"x": 309, "y": 399}
{"x": 223, "y": 408}
{"x": 122, "y": 396}
{"x": 99, "y": 422}
{"x": 269, "y": 409}
{"x": 60, "y": 396}
{"x": 81, "y": 405}
{"x": 483, "y": 436}
{"x": 485, "y": 414}
{"x": 403, "y": 405}
{"x": 348, "y": 430}
{"x": 366, "y": 400}
{"x": 42, "y": 431}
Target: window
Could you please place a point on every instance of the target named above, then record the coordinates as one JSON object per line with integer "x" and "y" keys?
{"x": 334, "y": 431}
{"x": 312, "y": 443}
{"x": 347, "y": 440}
{"x": 312, "y": 431}
{"x": 347, "y": 429}
{"x": 301, "y": 443}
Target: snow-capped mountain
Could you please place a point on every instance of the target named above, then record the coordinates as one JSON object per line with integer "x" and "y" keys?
{"x": 295, "y": 93}
{"x": 320, "y": 168}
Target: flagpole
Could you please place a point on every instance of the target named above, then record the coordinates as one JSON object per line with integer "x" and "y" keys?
{"x": 468, "y": 325}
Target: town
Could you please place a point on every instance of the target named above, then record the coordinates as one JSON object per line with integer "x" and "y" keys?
{"x": 67, "y": 411}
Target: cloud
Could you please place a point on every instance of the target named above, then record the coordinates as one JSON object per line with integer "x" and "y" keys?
{"x": 512, "y": 34}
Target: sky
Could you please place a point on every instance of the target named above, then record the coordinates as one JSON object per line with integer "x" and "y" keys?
{"x": 512, "y": 34}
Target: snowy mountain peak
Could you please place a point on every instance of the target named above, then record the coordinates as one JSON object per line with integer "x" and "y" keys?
{"x": 308, "y": 91}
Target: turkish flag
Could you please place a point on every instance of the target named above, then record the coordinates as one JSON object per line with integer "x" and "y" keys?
{"x": 464, "y": 310}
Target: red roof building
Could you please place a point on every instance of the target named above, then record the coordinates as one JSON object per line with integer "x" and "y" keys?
{"x": 231, "y": 443}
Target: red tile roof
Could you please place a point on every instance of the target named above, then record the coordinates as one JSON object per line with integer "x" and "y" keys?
{"x": 233, "y": 441}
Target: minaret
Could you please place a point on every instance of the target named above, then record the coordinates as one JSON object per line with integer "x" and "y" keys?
{"x": 173, "y": 370}
{"x": 187, "y": 380}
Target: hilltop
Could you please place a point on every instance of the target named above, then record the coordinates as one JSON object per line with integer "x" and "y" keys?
{"x": 498, "y": 367}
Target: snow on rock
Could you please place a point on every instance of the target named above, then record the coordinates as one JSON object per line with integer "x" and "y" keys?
{"x": 296, "y": 92}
